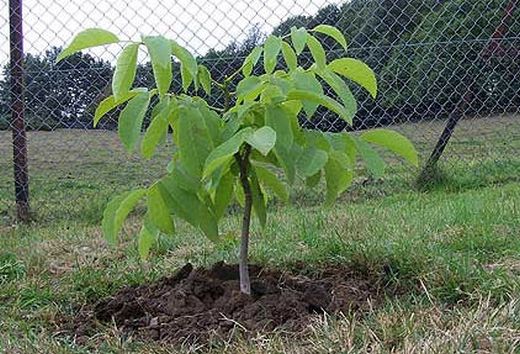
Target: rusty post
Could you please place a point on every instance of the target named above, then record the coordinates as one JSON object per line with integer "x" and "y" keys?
{"x": 21, "y": 176}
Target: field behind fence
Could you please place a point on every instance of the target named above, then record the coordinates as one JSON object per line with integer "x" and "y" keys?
{"x": 436, "y": 61}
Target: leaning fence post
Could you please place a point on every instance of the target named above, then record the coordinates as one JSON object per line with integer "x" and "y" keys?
{"x": 21, "y": 176}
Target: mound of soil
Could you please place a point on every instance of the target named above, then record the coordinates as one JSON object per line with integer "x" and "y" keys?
{"x": 196, "y": 303}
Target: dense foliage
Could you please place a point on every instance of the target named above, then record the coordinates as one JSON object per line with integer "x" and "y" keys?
{"x": 240, "y": 151}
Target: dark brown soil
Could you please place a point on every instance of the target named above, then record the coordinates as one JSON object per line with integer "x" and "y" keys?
{"x": 196, "y": 303}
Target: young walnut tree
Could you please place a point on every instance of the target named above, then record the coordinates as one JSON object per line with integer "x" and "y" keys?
{"x": 248, "y": 150}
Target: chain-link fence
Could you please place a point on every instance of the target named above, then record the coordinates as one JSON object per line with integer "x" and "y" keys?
{"x": 443, "y": 66}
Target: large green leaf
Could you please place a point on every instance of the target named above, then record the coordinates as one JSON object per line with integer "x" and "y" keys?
{"x": 251, "y": 60}
{"x": 156, "y": 131}
{"x": 317, "y": 51}
{"x": 323, "y": 100}
{"x": 271, "y": 181}
{"x": 272, "y": 47}
{"x": 394, "y": 142}
{"x": 223, "y": 194}
{"x": 337, "y": 177}
{"x": 145, "y": 241}
{"x": 262, "y": 139}
{"x": 212, "y": 121}
{"x": 189, "y": 67}
{"x": 280, "y": 120}
{"x": 312, "y": 161}
{"x": 289, "y": 56}
{"x": 340, "y": 87}
{"x": 131, "y": 120}
{"x": 317, "y": 139}
{"x": 110, "y": 103}
{"x": 223, "y": 153}
{"x": 160, "y": 52}
{"x": 92, "y": 37}
{"x": 193, "y": 138}
{"x": 332, "y": 32}
{"x": 204, "y": 77}
{"x": 298, "y": 39}
{"x": 249, "y": 88}
{"x": 126, "y": 67}
{"x": 187, "y": 205}
{"x": 356, "y": 71}
{"x": 116, "y": 212}
{"x": 158, "y": 212}
{"x": 375, "y": 164}
{"x": 343, "y": 142}
{"x": 307, "y": 81}
{"x": 259, "y": 202}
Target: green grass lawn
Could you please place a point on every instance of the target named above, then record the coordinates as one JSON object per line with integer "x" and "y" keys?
{"x": 453, "y": 249}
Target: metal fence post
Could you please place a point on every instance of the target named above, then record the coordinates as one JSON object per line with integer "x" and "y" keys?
{"x": 21, "y": 176}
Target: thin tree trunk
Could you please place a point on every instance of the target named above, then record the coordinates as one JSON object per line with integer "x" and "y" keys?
{"x": 245, "y": 283}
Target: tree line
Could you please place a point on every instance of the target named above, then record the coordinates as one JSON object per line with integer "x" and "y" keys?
{"x": 425, "y": 53}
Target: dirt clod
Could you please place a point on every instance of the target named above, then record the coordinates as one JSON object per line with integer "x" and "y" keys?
{"x": 193, "y": 304}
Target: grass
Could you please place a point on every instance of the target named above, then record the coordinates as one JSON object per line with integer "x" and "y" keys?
{"x": 453, "y": 248}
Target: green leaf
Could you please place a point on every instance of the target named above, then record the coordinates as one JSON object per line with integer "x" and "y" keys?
{"x": 298, "y": 39}
{"x": 158, "y": 213}
{"x": 306, "y": 81}
{"x": 193, "y": 139}
{"x": 160, "y": 52}
{"x": 271, "y": 181}
{"x": 332, "y": 32}
{"x": 223, "y": 194}
{"x": 223, "y": 153}
{"x": 187, "y": 205}
{"x": 317, "y": 51}
{"x": 312, "y": 161}
{"x": 356, "y": 71}
{"x": 394, "y": 142}
{"x": 343, "y": 142}
{"x": 280, "y": 120}
{"x": 272, "y": 47}
{"x": 262, "y": 139}
{"x": 204, "y": 77}
{"x": 145, "y": 241}
{"x": 259, "y": 202}
{"x": 189, "y": 67}
{"x": 317, "y": 139}
{"x": 289, "y": 56}
{"x": 287, "y": 157}
{"x": 248, "y": 88}
{"x": 251, "y": 60}
{"x": 157, "y": 129}
{"x": 117, "y": 211}
{"x": 336, "y": 176}
{"x": 340, "y": 87}
{"x": 131, "y": 120}
{"x": 89, "y": 38}
{"x": 375, "y": 164}
{"x": 110, "y": 103}
{"x": 126, "y": 67}
{"x": 323, "y": 100}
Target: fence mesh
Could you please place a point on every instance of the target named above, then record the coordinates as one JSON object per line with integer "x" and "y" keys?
{"x": 432, "y": 58}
